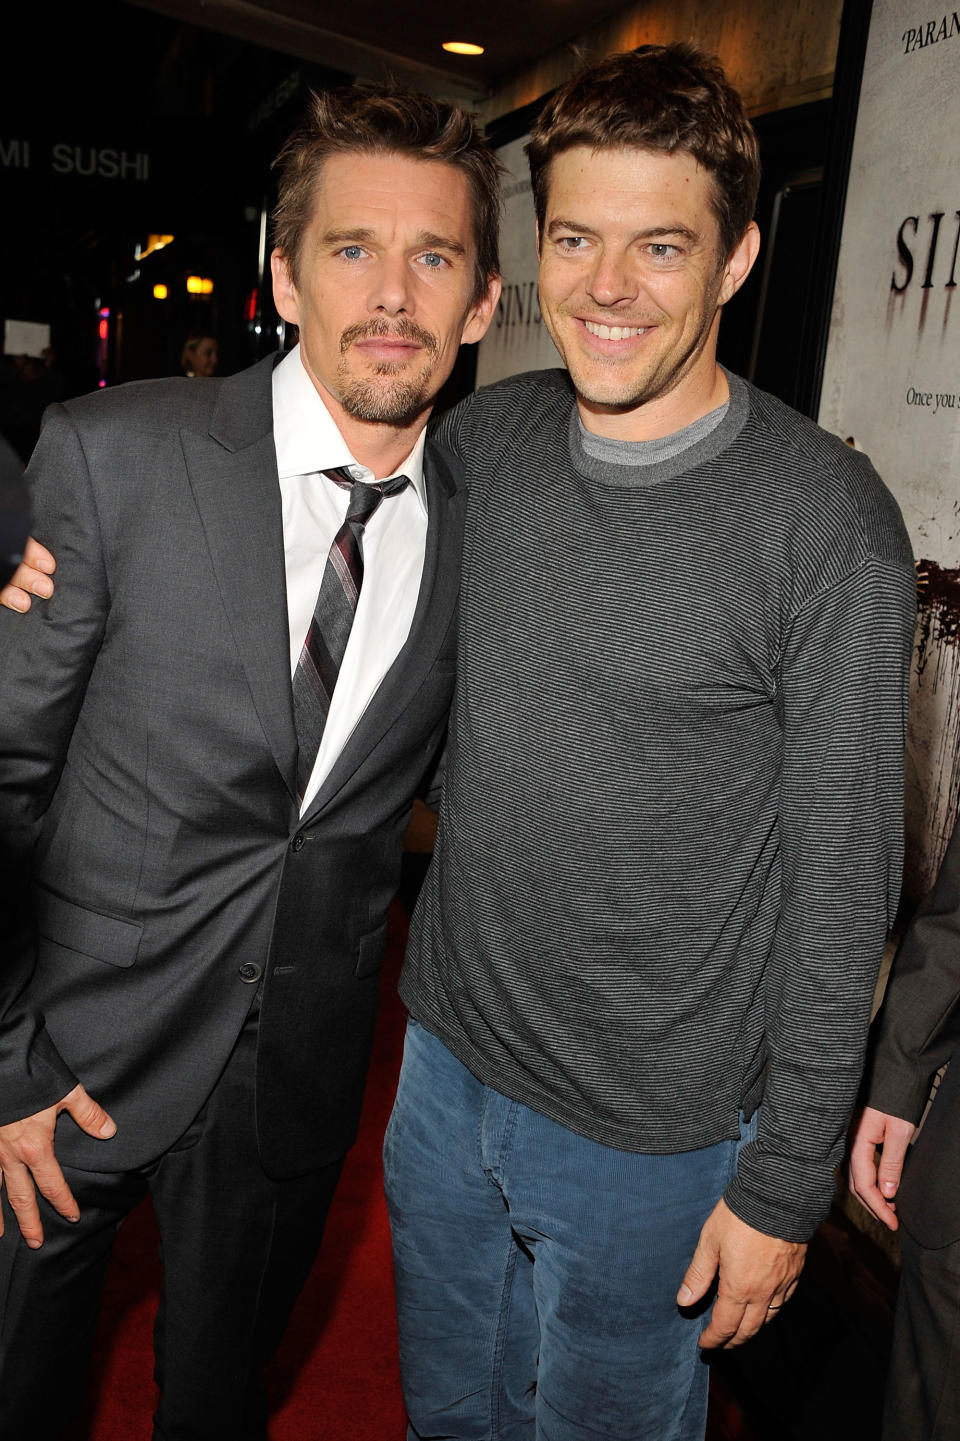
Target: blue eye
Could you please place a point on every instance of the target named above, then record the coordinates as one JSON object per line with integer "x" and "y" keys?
{"x": 352, "y": 252}
{"x": 433, "y": 260}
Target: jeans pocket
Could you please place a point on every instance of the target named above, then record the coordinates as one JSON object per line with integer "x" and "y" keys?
{"x": 748, "y": 1133}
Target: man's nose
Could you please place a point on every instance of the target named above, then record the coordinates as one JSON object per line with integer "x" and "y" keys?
{"x": 390, "y": 288}
{"x": 612, "y": 279}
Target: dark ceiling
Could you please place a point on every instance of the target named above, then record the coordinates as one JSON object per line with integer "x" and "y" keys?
{"x": 381, "y": 37}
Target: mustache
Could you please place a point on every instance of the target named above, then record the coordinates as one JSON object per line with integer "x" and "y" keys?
{"x": 401, "y": 329}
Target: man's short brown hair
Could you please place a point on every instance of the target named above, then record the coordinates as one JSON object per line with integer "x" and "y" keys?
{"x": 662, "y": 97}
{"x": 380, "y": 120}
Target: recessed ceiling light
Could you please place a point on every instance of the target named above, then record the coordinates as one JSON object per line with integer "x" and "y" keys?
{"x": 462, "y": 47}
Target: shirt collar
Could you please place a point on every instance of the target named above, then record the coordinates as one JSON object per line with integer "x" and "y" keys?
{"x": 306, "y": 435}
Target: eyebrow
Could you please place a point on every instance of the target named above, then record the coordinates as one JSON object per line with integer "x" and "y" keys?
{"x": 362, "y": 234}
{"x": 654, "y": 232}
{"x": 346, "y": 237}
{"x": 441, "y": 242}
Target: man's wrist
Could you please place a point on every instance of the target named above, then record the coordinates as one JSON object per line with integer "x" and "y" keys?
{"x": 772, "y": 1218}
{"x": 899, "y": 1095}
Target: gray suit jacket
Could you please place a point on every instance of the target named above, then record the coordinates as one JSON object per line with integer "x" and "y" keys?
{"x": 919, "y": 1028}
{"x": 147, "y": 772}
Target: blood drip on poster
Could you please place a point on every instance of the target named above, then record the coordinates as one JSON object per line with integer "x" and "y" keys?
{"x": 937, "y": 688}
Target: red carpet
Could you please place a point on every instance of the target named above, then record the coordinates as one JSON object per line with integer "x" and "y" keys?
{"x": 335, "y": 1377}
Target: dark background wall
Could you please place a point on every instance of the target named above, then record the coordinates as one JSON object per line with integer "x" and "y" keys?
{"x": 118, "y": 124}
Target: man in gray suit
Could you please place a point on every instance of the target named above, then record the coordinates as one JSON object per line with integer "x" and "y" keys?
{"x": 917, "y": 1033}
{"x": 208, "y": 831}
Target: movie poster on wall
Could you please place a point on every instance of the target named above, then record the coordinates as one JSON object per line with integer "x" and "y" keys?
{"x": 517, "y": 339}
{"x": 892, "y": 375}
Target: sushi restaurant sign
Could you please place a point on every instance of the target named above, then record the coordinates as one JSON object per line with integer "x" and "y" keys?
{"x": 65, "y": 158}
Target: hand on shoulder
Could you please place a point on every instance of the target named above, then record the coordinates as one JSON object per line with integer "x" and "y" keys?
{"x": 32, "y": 577}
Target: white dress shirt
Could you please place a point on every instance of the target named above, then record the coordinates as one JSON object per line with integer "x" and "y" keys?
{"x": 394, "y": 542}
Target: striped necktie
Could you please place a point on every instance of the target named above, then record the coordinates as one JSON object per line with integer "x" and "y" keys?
{"x": 326, "y": 642}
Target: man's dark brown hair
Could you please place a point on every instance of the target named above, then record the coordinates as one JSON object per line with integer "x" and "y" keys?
{"x": 663, "y": 97}
{"x": 378, "y": 120}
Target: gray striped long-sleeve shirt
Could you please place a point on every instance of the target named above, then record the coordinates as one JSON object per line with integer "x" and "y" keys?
{"x": 671, "y": 829}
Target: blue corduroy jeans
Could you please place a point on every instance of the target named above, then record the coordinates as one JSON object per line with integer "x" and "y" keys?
{"x": 537, "y": 1271}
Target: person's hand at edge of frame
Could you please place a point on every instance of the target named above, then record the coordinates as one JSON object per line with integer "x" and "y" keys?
{"x": 33, "y": 576}
{"x": 28, "y": 1163}
{"x": 875, "y": 1182}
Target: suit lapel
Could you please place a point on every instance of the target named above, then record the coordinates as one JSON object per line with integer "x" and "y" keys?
{"x": 233, "y": 474}
{"x": 439, "y": 588}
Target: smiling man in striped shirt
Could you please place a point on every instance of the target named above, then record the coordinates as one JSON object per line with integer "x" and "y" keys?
{"x": 670, "y": 841}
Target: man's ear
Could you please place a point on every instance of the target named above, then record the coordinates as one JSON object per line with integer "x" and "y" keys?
{"x": 740, "y": 263}
{"x": 285, "y": 296}
{"x": 481, "y": 312}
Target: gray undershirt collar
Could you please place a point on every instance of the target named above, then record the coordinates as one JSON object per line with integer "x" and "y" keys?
{"x": 648, "y": 462}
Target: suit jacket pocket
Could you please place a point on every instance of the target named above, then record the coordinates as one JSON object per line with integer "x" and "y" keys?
{"x": 104, "y": 938}
{"x": 370, "y": 952}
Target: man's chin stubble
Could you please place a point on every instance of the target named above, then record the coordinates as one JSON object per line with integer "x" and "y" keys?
{"x": 385, "y": 402}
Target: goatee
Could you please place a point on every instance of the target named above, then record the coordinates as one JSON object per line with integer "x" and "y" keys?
{"x": 387, "y": 397}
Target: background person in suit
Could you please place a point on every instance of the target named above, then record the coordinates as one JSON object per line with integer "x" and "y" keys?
{"x": 917, "y": 1033}
{"x": 186, "y": 1008}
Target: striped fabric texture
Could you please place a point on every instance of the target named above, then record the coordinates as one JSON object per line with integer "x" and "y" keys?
{"x": 325, "y": 646}
{"x": 671, "y": 830}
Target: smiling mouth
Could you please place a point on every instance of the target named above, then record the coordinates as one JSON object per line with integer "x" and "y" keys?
{"x": 615, "y": 332}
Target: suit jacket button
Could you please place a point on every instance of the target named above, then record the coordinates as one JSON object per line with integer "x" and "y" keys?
{"x": 249, "y": 972}
{"x": 297, "y": 843}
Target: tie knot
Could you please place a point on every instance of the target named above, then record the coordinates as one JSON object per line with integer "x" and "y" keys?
{"x": 364, "y": 496}
{"x": 364, "y": 500}
{"x": 395, "y": 484}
